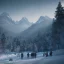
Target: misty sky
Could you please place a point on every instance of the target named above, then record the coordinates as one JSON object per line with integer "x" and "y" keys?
{"x": 31, "y": 9}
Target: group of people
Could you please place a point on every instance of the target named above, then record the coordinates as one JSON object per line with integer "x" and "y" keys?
{"x": 32, "y": 55}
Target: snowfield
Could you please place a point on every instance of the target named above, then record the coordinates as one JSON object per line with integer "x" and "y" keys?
{"x": 51, "y": 60}
{"x": 57, "y": 58}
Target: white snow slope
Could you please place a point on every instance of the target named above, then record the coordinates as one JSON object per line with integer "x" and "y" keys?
{"x": 57, "y": 58}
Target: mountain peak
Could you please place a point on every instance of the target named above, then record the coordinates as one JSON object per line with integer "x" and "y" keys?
{"x": 43, "y": 18}
{"x": 5, "y": 18}
{"x": 6, "y": 15}
{"x": 24, "y": 20}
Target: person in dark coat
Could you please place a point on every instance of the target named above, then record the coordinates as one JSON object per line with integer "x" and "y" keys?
{"x": 27, "y": 55}
{"x": 50, "y": 53}
{"x": 33, "y": 55}
{"x": 10, "y": 59}
{"x": 21, "y": 55}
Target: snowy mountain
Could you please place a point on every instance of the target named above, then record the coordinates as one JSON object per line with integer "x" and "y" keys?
{"x": 44, "y": 19}
{"x": 41, "y": 24}
{"x": 5, "y": 19}
{"x": 23, "y": 21}
{"x": 16, "y": 27}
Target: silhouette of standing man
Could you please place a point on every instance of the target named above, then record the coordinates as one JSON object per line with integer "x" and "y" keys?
{"x": 21, "y": 55}
{"x": 50, "y": 53}
{"x": 27, "y": 55}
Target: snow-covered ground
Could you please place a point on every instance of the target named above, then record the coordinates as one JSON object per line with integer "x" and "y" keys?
{"x": 57, "y": 58}
{"x": 17, "y": 56}
{"x": 51, "y": 60}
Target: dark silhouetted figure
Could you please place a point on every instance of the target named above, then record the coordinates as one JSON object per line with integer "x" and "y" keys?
{"x": 33, "y": 55}
{"x": 27, "y": 55}
{"x": 10, "y": 59}
{"x": 50, "y": 53}
{"x": 21, "y": 55}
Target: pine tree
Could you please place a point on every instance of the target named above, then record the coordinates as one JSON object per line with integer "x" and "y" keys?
{"x": 60, "y": 12}
{"x": 56, "y": 27}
